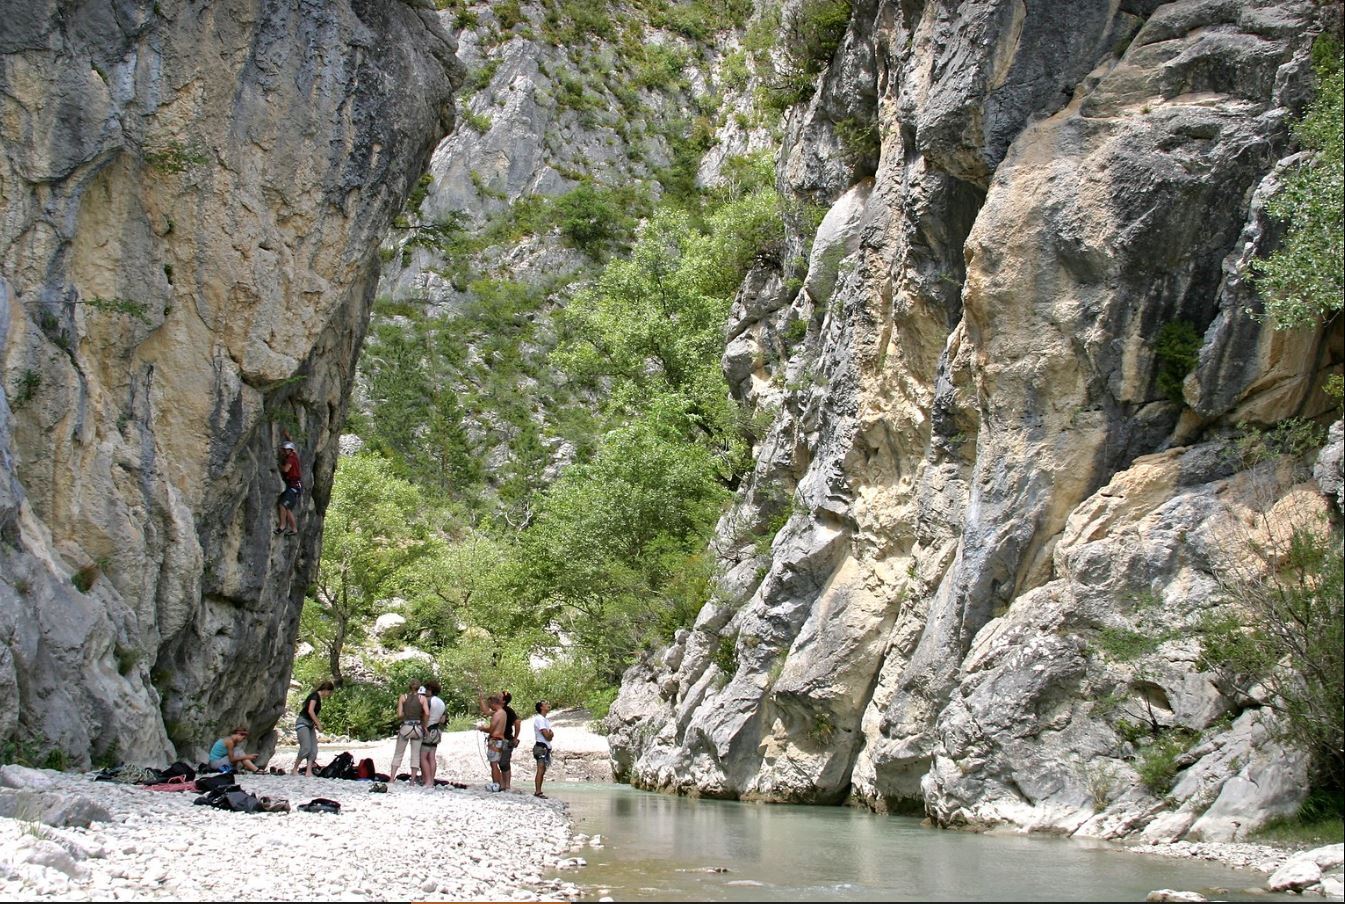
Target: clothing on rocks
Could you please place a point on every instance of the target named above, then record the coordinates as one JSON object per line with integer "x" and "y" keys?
{"x": 320, "y": 805}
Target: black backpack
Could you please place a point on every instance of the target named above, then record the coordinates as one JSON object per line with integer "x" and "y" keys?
{"x": 208, "y": 783}
{"x": 213, "y": 797}
{"x": 179, "y": 768}
{"x": 343, "y": 766}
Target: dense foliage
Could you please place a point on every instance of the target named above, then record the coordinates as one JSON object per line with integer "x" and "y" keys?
{"x": 1304, "y": 280}
{"x": 1283, "y": 639}
{"x": 507, "y": 575}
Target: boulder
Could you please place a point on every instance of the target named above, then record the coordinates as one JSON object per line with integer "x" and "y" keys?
{"x": 1329, "y": 469}
{"x": 53, "y": 808}
{"x": 1182, "y": 897}
{"x": 45, "y": 853}
{"x": 1297, "y": 874}
{"x": 16, "y": 776}
{"x": 389, "y": 626}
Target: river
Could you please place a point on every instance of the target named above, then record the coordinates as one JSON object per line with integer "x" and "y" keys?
{"x": 658, "y": 847}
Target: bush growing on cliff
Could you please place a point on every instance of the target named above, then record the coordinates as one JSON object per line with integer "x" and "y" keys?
{"x": 1304, "y": 280}
{"x": 1285, "y": 631}
{"x": 791, "y": 50}
{"x": 1176, "y": 353}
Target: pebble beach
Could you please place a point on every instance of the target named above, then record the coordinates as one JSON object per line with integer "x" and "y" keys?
{"x": 410, "y": 843}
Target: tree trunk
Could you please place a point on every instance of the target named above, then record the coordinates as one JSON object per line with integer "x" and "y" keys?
{"x": 334, "y": 651}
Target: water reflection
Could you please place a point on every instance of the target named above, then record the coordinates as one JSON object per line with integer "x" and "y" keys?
{"x": 666, "y": 848}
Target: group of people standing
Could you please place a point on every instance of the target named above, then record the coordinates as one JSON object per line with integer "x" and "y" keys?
{"x": 420, "y": 720}
{"x": 502, "y": 727}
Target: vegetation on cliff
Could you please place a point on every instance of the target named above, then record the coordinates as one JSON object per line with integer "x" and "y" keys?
{"x": 566, "y": 436}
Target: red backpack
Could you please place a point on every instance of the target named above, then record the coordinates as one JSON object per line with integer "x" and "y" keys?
{"x": 365, "y": 769}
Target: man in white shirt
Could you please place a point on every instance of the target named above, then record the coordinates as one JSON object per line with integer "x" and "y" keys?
{"x": 542, "y": 734}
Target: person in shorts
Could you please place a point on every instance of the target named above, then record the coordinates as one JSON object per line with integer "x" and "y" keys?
{"x": 543, "y": 734}
{"x": 288, "y": 500}
{"x": 429, "y": 745}
{"x": 512, "y": 725}
{"x": 495, "y": 741}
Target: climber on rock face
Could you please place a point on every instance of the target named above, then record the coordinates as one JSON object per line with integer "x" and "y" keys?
{"x": 289, "y": 499}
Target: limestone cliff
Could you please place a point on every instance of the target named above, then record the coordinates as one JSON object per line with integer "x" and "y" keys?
{"x": 984, "y": 466}
{"x": 194, "y": 194}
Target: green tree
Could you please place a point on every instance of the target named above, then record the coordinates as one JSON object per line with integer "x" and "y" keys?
{"x": 1285, "y": 632}
{"x": 373, "y": 535}
{"x": 607, "y": 556}
{"x": 1304, "y": 280}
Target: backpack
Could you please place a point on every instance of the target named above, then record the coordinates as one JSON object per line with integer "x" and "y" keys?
{"x": 365, "y": 770}
{"x": 208, "y": 783}
{"x": 338, "y": 767}
{"x": 212, "y": 797}
{"x": 179, "y": 768}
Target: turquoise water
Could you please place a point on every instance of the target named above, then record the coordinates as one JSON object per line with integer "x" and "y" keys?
{"x": 659, "y": 847}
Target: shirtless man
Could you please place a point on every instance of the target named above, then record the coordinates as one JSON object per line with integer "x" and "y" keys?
{"x": 495, "y": 739}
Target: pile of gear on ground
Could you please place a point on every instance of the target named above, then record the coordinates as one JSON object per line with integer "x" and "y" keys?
{"x": 221, "y": 790}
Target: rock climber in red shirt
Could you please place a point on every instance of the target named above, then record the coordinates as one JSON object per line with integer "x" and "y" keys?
{"x": 286, "y": 502}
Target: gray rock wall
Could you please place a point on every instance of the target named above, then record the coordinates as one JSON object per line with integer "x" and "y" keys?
{"x": 194, "y": 194}
{"x": 1057, "y": 182}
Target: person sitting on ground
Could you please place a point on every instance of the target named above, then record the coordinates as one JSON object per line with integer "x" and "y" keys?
{"x": 288, "y": 500}
{"x": 495, "y": 739}
{"x": 541, "y": 749}
{"x": 429, "y": 745}
{"x": 306, "y": 726}
{"x": 411, "y": 715}
{"x": 226, "y": 754}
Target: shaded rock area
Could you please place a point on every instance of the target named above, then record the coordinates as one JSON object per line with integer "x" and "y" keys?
{"x": 194, "y": 195}
{"x": 986, "y": 472}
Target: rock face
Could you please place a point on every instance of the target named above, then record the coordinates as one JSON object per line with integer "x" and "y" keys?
{"x": 194, "y": 195}
{"x": 994, "y": 468}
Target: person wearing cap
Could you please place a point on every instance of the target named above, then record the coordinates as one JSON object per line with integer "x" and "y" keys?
{"x": 289, "y": 499}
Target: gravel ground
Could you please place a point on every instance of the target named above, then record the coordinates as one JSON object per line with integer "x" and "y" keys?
{"x": 409, "y": 844}
{"x": 579, "y": 754}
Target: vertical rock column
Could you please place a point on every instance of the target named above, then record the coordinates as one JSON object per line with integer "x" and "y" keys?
{"x": 194, "y": 196}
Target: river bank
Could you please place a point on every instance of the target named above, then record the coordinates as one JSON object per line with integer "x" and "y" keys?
{"x": 579, "y": 754}
{"x": 658, "y": 847}
{"x": 410, "y": 843}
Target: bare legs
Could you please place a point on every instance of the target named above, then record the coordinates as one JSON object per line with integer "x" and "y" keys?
{"x": 429, "y": 764}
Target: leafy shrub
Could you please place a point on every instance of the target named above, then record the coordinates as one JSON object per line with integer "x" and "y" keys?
{"x": 808, "y": 38}
{"x": 1176, "y": 352}
{"x": 508, "y": 13}
{"x": 1159, "y": 760}
{"x": 1125, "y": 645}
{"x": 1295, "y": 436}
{"x": 822, "y": 730}
{"x": 589, "y": 219}
{"x": 726, "y": 654}
{"x": 1284, "y": 629}
{"x": 860, "y": 143}
{"x": 478, "y": 122}
{"x": 1304, "y": 279}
